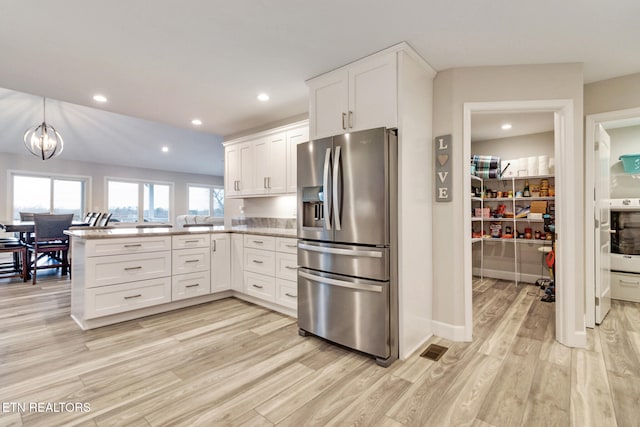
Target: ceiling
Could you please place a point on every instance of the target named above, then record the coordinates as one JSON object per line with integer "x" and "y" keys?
{"x": 169, "y": 62}
{"x": 488, "y": 126}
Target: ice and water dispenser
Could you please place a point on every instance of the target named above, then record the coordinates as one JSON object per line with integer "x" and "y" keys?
{"x": 313, "y": 207}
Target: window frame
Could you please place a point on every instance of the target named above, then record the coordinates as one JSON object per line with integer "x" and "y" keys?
{"x": 85, "y": 179}
{"x": 211, "y": 189}
{"x": 141, "y": 183}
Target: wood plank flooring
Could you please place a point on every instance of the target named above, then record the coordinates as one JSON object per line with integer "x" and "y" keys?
{"x": 233, "y": 363}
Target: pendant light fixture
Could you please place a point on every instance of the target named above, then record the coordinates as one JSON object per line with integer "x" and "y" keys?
{"x": 43, "y": 140}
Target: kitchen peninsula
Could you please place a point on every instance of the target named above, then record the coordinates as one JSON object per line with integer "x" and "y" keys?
{"x": 119, "y": 274}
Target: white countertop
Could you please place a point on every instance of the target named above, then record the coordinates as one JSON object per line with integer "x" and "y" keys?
{"x": 117, "y": 232}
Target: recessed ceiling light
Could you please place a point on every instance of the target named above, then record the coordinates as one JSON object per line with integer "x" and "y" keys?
{"x": 99, "y": 98}
{"x": 506, "y": 126}
{"x": 165, "y": 149}
{"x": 196, "y": 122}
{"x": 263, "y": 97}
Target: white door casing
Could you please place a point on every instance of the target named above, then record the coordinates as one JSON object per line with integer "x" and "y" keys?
{"x": 567, "y": 209}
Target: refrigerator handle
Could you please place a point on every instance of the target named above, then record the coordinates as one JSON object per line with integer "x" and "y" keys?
{"x": 325, "y": 189}
{"x": 340, "y": 251}
{"x": 336, "y": 195}
{"x": 341, "y": 283}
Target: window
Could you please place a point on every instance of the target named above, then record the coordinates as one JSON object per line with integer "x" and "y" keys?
{"x": 130, "y": 201}
{"x": 206, "y": 200}
{"x": 49, "y": 194}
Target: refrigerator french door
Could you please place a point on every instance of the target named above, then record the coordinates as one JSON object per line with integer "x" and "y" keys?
{"x": 347, "y": 279}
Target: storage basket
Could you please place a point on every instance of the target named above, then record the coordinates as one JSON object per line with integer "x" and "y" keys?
{"x": 482, "y": 212}
{"x": 630, "y": 163}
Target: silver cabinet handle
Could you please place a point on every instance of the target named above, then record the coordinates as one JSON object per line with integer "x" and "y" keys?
{"x": 291, "y": 246}
{"x": 192, "y": 260}
{"x": 259, "y": 242}
{"x": 325, "y": 188}
{"x": 290, "y": 268}
{"x": 351, "y": 119}
{"x": 264, "y": 182}
{"x": 341, "y": 283}
{"x": 133, "y": 296}
{"x": 136, "y": 245}
{"x": 336, "y": 206}
{"x": 290, "y": 295}
{"x": 192, "y": 286}
{"x": 215, "y": 246}
{"x": 133, "y": 268}
{"x": 344, "y": 116}
{"x": 257, "y": 286}
{"x": 268, "y": 182}
{"x": 192, "y": 241}
{"x": 339, "y": 251}
{"x": 257, "y": 262}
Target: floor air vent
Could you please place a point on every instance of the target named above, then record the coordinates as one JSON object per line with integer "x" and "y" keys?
{"x": 434, "y": 352}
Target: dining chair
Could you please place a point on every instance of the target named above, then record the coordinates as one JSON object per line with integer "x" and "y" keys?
{"x": 18, "y": 265}
{"x": 49, "y": 240}
{"x": 26, "y": 216}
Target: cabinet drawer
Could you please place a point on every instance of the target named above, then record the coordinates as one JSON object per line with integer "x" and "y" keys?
{"x": 190, "y": 260}
{"x": 114, "y": 269}
{"x": 260, "y": 286}
{"x": 285, "y": 244}
{"x": 101, "y": 247}
{"x": 191, "y": 241}
{"x": 127, "y": 296}
{"x": 287, "y": 293}
{"x": 259, "y": 261}
{"x": 259, "y": 242}
{"x": 190, "y": 285}
{"x": 625, "y": 286}
{"x": 286, "y": 266}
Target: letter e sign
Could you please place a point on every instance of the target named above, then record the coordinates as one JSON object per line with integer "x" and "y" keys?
{"x": 443, "y": 168}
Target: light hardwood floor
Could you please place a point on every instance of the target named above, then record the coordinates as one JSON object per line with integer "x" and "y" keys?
{"x": 233, "y": 363}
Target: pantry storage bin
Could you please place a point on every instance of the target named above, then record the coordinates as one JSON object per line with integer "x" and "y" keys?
{"x": 630, "y": 163}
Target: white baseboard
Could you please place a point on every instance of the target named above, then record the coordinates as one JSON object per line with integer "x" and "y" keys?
{"x": 407, "y": 353}
{"x": 447, "y": 331}
{"x": 507, "y": 275}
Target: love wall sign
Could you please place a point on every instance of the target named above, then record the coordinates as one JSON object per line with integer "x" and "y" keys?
{"x": 443, "y": 168}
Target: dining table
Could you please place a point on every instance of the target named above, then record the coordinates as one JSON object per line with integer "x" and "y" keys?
{"x": 25, "y": 228}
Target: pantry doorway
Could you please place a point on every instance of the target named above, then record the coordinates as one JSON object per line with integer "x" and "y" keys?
{"x": 569, "y": 311}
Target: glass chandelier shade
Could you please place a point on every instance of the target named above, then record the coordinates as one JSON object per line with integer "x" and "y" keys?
{"x": 43, "y": 140}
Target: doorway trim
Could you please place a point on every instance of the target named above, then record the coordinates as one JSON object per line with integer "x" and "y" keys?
{"x": 567, "y": 182}
{"x": 591, "y": 127}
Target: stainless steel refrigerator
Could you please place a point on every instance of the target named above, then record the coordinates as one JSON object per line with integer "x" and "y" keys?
{"x": 347, "y": 248}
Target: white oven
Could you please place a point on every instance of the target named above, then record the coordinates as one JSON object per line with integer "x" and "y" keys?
{"x": 625, "y": 249}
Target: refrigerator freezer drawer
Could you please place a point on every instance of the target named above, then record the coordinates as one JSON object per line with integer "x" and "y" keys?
{"x": 348, "y": 311}
{"x": 349, "y": 260}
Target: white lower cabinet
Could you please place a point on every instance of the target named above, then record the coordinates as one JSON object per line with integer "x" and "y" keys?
{"x": 270, "y": 269}
{"x": 220, "y": 262}
{"x": 260, "y": 286}
{"x": 190, "y": 285}
{"x": 113, "y": 299}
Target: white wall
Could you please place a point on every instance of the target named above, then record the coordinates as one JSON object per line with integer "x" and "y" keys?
{"x": 537, "y": 144}
{"x": 98, "y": 172}
{"x": 612, "y": 95}
{"x": 454, "y": 87}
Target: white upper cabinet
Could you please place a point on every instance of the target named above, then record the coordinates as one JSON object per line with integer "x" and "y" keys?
{"x": 362, "y": 95}
{"x": 238, "y": 169}
{"x": 271, "y": 162}
{"x": 264, "y": 164}
{"x": 294, "y": 137}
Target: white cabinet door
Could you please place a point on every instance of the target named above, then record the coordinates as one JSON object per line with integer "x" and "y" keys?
{"x": 328, "y": 104}
{"x": 294, "y": 137}
{"x": 237, "y": 262}
{"x": 220, "y": 262}
{"x": 246, "y": 182}
{"x": 231, "y": 170}
{"x": 270, "y": 164}
{"x": 277, "y": 176}
{"x": 373, "y": 93}
{"x": 190, "y": 285}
